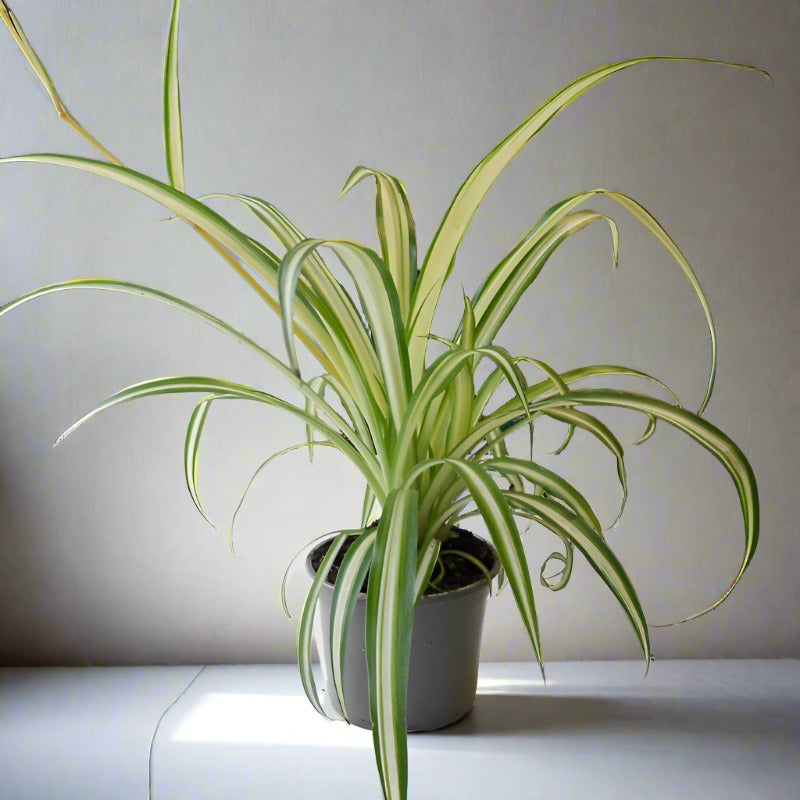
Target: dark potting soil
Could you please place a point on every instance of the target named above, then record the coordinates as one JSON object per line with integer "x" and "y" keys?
{"x": 458, "y": 571}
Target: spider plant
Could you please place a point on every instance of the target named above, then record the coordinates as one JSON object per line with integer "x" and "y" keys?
{"x": 426, "y": 431}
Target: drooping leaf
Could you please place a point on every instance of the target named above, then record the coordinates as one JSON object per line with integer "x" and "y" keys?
{"x": 441, "y": 254}
{"x": 350, "y": 446}
{"x": 552, "y": 483}
{"x": 721, "y": 446}
{"x": 256, "y": 473}
{"x": 335, "y": 306}
{"x": 390, "y": 602}
{"x": 191, "y": 449}
{"x": 396, "y": 231}
{"x": 262, "y": 265}
{"x": 597, "y": 553}
{"x": 39, "y": 69}
{"x": 305, "y": 622}
{"x": 349, "y": 580}
{"x": 380, "y": 304}
{"x": 523, "y": 265}
{"x": 496, "y": 513}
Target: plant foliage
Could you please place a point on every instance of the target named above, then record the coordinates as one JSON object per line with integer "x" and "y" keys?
{"x": 428, "y": 435}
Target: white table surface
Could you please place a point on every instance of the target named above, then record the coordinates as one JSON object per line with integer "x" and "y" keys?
{"x": 691, "y": 729}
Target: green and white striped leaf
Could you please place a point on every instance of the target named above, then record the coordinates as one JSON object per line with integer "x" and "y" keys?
{"x": 721, "y": 446}
{"x": 563, "y": 575}
{"x": 506, "y": 419}
{"x": 263, "y": 266}
{"x": 605, "y": 370}
{"x": 191, "y": 449}
{"x": 335, "y": 306}
{"x": 300, "y": 556}
{"x": 349, "y": 580}
{"x": 603, "y": 434}
{"x": 396, "y": 231}
{"x": 597, "y": 553}
{"x": 552, "y": 483}
{"x": 379, "y": 302}
{"x": 461, "y": 392}
{"x": 367, "y": 506}
{"x": 390, "y": 607}
{"x": 501, "y": 291}
{"x": 173, "y": 131}
{"x": 442, "y": 252}
{"x": 527, "y": 261}
{"x": 261, "y": 467}
{"x": 125, "y": 287}
{"x": 352, "y": 449}
{"x": 496, "y": 513}
{"x": 305, "y": 624}
{"x": 40, "y": 71}
{"x": 427, "y": 555}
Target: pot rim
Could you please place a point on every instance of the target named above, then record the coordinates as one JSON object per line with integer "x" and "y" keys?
{"x": 426, "y": 598}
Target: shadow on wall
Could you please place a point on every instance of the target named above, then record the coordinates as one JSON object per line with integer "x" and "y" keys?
{"x": 24, "y": 569}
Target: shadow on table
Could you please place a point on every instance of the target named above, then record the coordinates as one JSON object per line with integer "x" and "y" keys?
{"x": 531, "y": 714}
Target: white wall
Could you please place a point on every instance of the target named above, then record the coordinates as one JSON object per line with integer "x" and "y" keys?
{"x": 102, "y": 556}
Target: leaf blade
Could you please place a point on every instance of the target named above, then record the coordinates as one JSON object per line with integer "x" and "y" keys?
{"x": 597, "y": 553}
{"x": 396, "y": 230}
{"x": 711, "y": 438}
{"x": 441, "y": 254}
{"x": 349, "y": 445}
{"x": 173, "y": 130}
{"x": 349, "y": 580}
{"x": 305, "y": 623}
{"x": 390, "y": 598}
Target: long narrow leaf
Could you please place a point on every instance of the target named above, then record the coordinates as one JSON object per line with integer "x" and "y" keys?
{"x": 261, "y": 467}
{"x": 426, "y": 561}
{"x": 379, "y": 301}
{"x": 349, "y": 580}
{"x": 313, "y": 398}
{"x": 173, "y": 132}
{"x": 552, "y": 483}
{"x": 597, "y": 553}
{"x": 390, "y": 604}
{"x": 136, "y": 289}
{"x": 506, "y": 420}
{"x": 191, "y": 449}
{"x": 495, "y": 511}
{"x": 527, "y": 261}
{"x": 39, "y": 69}
{"x": 566, "y": 560}
{"x": 305, "y": 625}
{"x": 353, "y": 449}
{"x": 220, "y": 231}
{"x": 396, "y": 231}
{"x": 442, "y": 251}
{"x": 333, "y": 303}
{"x": 721, "y": 446}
